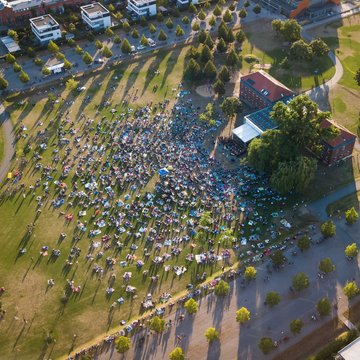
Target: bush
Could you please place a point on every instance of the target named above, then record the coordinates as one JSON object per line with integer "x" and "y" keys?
{"x": 38, "y": 61}
{"x": 222, "y": 288}
{"x": 328, "y": 229}
{"x": 211, "y": 334}
{"x": 17, "y": 67}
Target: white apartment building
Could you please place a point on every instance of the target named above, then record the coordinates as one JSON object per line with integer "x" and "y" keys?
{"x": 96, "y": 16}
{"x": 140, "y": 8}
{"x": 185, "y": 3}
{"x": 45, "y": 28}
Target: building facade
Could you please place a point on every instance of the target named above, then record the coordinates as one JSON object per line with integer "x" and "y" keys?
{"x": 339, "y": 148}
{"x": 260, "y": 90}
{"x": 96, "y": 16}
{"x": 45, "y": 28}
{"x": 140, "y": 8}
{"x": 13, "y": 13}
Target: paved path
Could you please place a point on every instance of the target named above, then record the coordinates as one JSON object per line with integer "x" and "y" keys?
{"x": 9, "y": 142}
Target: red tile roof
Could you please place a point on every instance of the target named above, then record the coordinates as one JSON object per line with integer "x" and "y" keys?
{"x": 345, "y": 135}
{"x": 268, "y": 86}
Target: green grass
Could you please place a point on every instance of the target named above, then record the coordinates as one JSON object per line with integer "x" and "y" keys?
{"x": 339, "y": 105}
{"x": 344, "y": 204}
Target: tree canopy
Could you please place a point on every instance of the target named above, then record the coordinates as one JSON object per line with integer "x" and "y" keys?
{"x": 177, "y": 354}
{"x": 323, "y": 307}
{"x": 122, "y": 344}
{"x": 300, "y": 281}
{"x": 3, "y": 83}
{"x": 290, "y": 30}
{"x": 303, "y": 243}
{"x": 250, "y": 273}
{"x": 242, "y": 315}
{"x": 272, "y": 298}
{"x": 157, "y": 324}
{"x": 357, "y": 76}
{"x": 328, "y": 229}
{"x": 351, "y": 289}
{"x": 351, "y": 250}
{"x": 266, "y": 345}
{"x": 230, "y": 106}
{"x": 211, "y": 334}
{"x": 295, "y": 326}
{"x": 326, "y": 265}
{"x": 351, "y": 216}
{"x": 191, "y": 306}
{"x": 222, "y": 288}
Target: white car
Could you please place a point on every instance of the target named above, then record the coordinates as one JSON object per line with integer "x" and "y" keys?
{"x": 141, "y": 47}
{"x": 82, "y": 88}
{"x": 99, "y": 61}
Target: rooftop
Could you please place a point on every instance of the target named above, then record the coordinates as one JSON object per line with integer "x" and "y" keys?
{"x": 345, "y": 136}
{"x": 351, "y": 351}
{"x": 268, "y": 86}
{"x": 143, "y": 2}
{"x": 262, "y": 120}
{"x": 94, "y": 9}
{"x": 10, "y": 44}
{"x": 44, "y": 21}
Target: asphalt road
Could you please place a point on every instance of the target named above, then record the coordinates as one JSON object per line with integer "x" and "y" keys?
{"x": 9, "y": 142}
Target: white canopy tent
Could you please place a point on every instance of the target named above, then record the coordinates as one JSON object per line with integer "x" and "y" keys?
{"x": 245, "y": 133}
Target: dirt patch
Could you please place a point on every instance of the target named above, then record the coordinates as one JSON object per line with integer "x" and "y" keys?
{"x": 205, "y": 91}
{"x": 262, "y": 66}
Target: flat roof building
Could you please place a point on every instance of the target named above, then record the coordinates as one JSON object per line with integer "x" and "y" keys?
{"x": 140, "y": 8}
{"x": 45, "y": 28}
{"x": 350, "y": 352}
{"x": 10, "y": 44}
{"x": 96, "y": 16}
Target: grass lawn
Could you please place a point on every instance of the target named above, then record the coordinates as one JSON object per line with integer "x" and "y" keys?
{"x": 344, "y": 204}
{"x": 344, "y": 39}
{"x": 1, "y": 144}
{"x": 35, "y": 312}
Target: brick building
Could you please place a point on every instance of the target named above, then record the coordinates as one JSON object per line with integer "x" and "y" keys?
{"x": 260, "y": 90}
{"x": 13, "y": 13}
{"x": 339, "y": 148}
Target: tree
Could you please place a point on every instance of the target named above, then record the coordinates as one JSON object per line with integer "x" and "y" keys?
{"x": 221, "y": 46}
{"x": 143, "y": 21}
{"x": 230, "y": 106}
{"x": 152, "y": 28}
{"x": 257, "y": 9}
{"x": 205, "y": 54}
{"x": 272, "y": 298}
{"x": 240, "y": 36}
{"x": 17, "y": 67}
{"x": 122, "y": 344}
{"x": 242, "y": 315}
{"x": 117, "y": 39}
{"x": 87, "y": 58}
{"x": 111, "y": 8}
{"x": 144, "y": 40}
{"x": 224, "y": 74}
{"x": 24, "y": 77}
{"x": 328, "y": 229}
{"x": 247, "y": 3}
{"x": 300, "y": 281}
{"x": 351, "y": 289}
{"x": 222, "y": 288}
{"x": 106, "y": 52}
{"x": 135, "y": 34}
{"x": 208, "y": 116}
{"x": 3, "y": 83}
{"x": 351, "y": 216}
{"x": 192, "y": 9}
{"x": 278, "y": 258}
{"x": 303, "y": 243}
{"x": 185, "y": 20}
{"x": 79, "y": 50}
{"x": 290, "y": 30}
{"x": 38, "y": 61}
{"x": 296, "y": 325}
{"x": 162, "y": 36}
{"x": 46, "y": 71}
{"x": 295, "y": 175}
{"x": 126, "y": 26}
{"x": 219, "y": 87}
{"x": 227, "y": 17}
{"x": 71, "y": 84}
{"x": 160, "y": 17}
{"x": 125, "y": 46}
{"x": 212, "y": 21}
{"x": 60, "y": 56}
{"x": 177, "y": 354}
{"x": 169, "y": 24}
{"x": 195, "y": 26}
{"x": 52, "y": 47}
{"x": 233, "y": 59}
{"x": 14, "y": 35}
{"x": 326, "y": 266}
{"x": 10, "y": 58}
{"x": 191, "y": 306}
{"x": 202, "y": 36}
{"x": 301, "y": 50}
{"x": 31, "y": 52}
{"x": 192, "y": 71}
{"x": 223, "y": 31}
{"x": 323, "y": 307}
{"x": 230, "y": 38}
{"x": 357, "y": 76}
{"x": 157, "y": 324}
{"x": 211, "y": 334}
{"x": 266, "y": 345}
{"x": 351, "y": 250}
{"x": 319, "y": 47}
{"x": 242, "y": 13}
{"x": 179, "y": 32}
{"x": 250, "y": 273}
{"x": 67, "y": 64}
{"x": 209, "y": 42}
{"x": 277, "y": 26}
{"x": 109, "y": 32}
{"x": 210, "y": 71}
{"x": 217, "y": 10}
{"x": 201, "y": 15}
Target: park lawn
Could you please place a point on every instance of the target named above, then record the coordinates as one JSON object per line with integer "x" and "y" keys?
{"x": 344, "y": 204}
{"x": 270, "y": 49}
{"x": 344, "y": 39}
{"x": 1, "y": 144}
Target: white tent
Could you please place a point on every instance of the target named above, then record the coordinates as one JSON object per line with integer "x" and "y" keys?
{"x": 246, "y": 133}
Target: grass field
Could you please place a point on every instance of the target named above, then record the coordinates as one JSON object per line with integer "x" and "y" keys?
{"x": 344, "y": 38}
{"x": 344, "y": 204}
